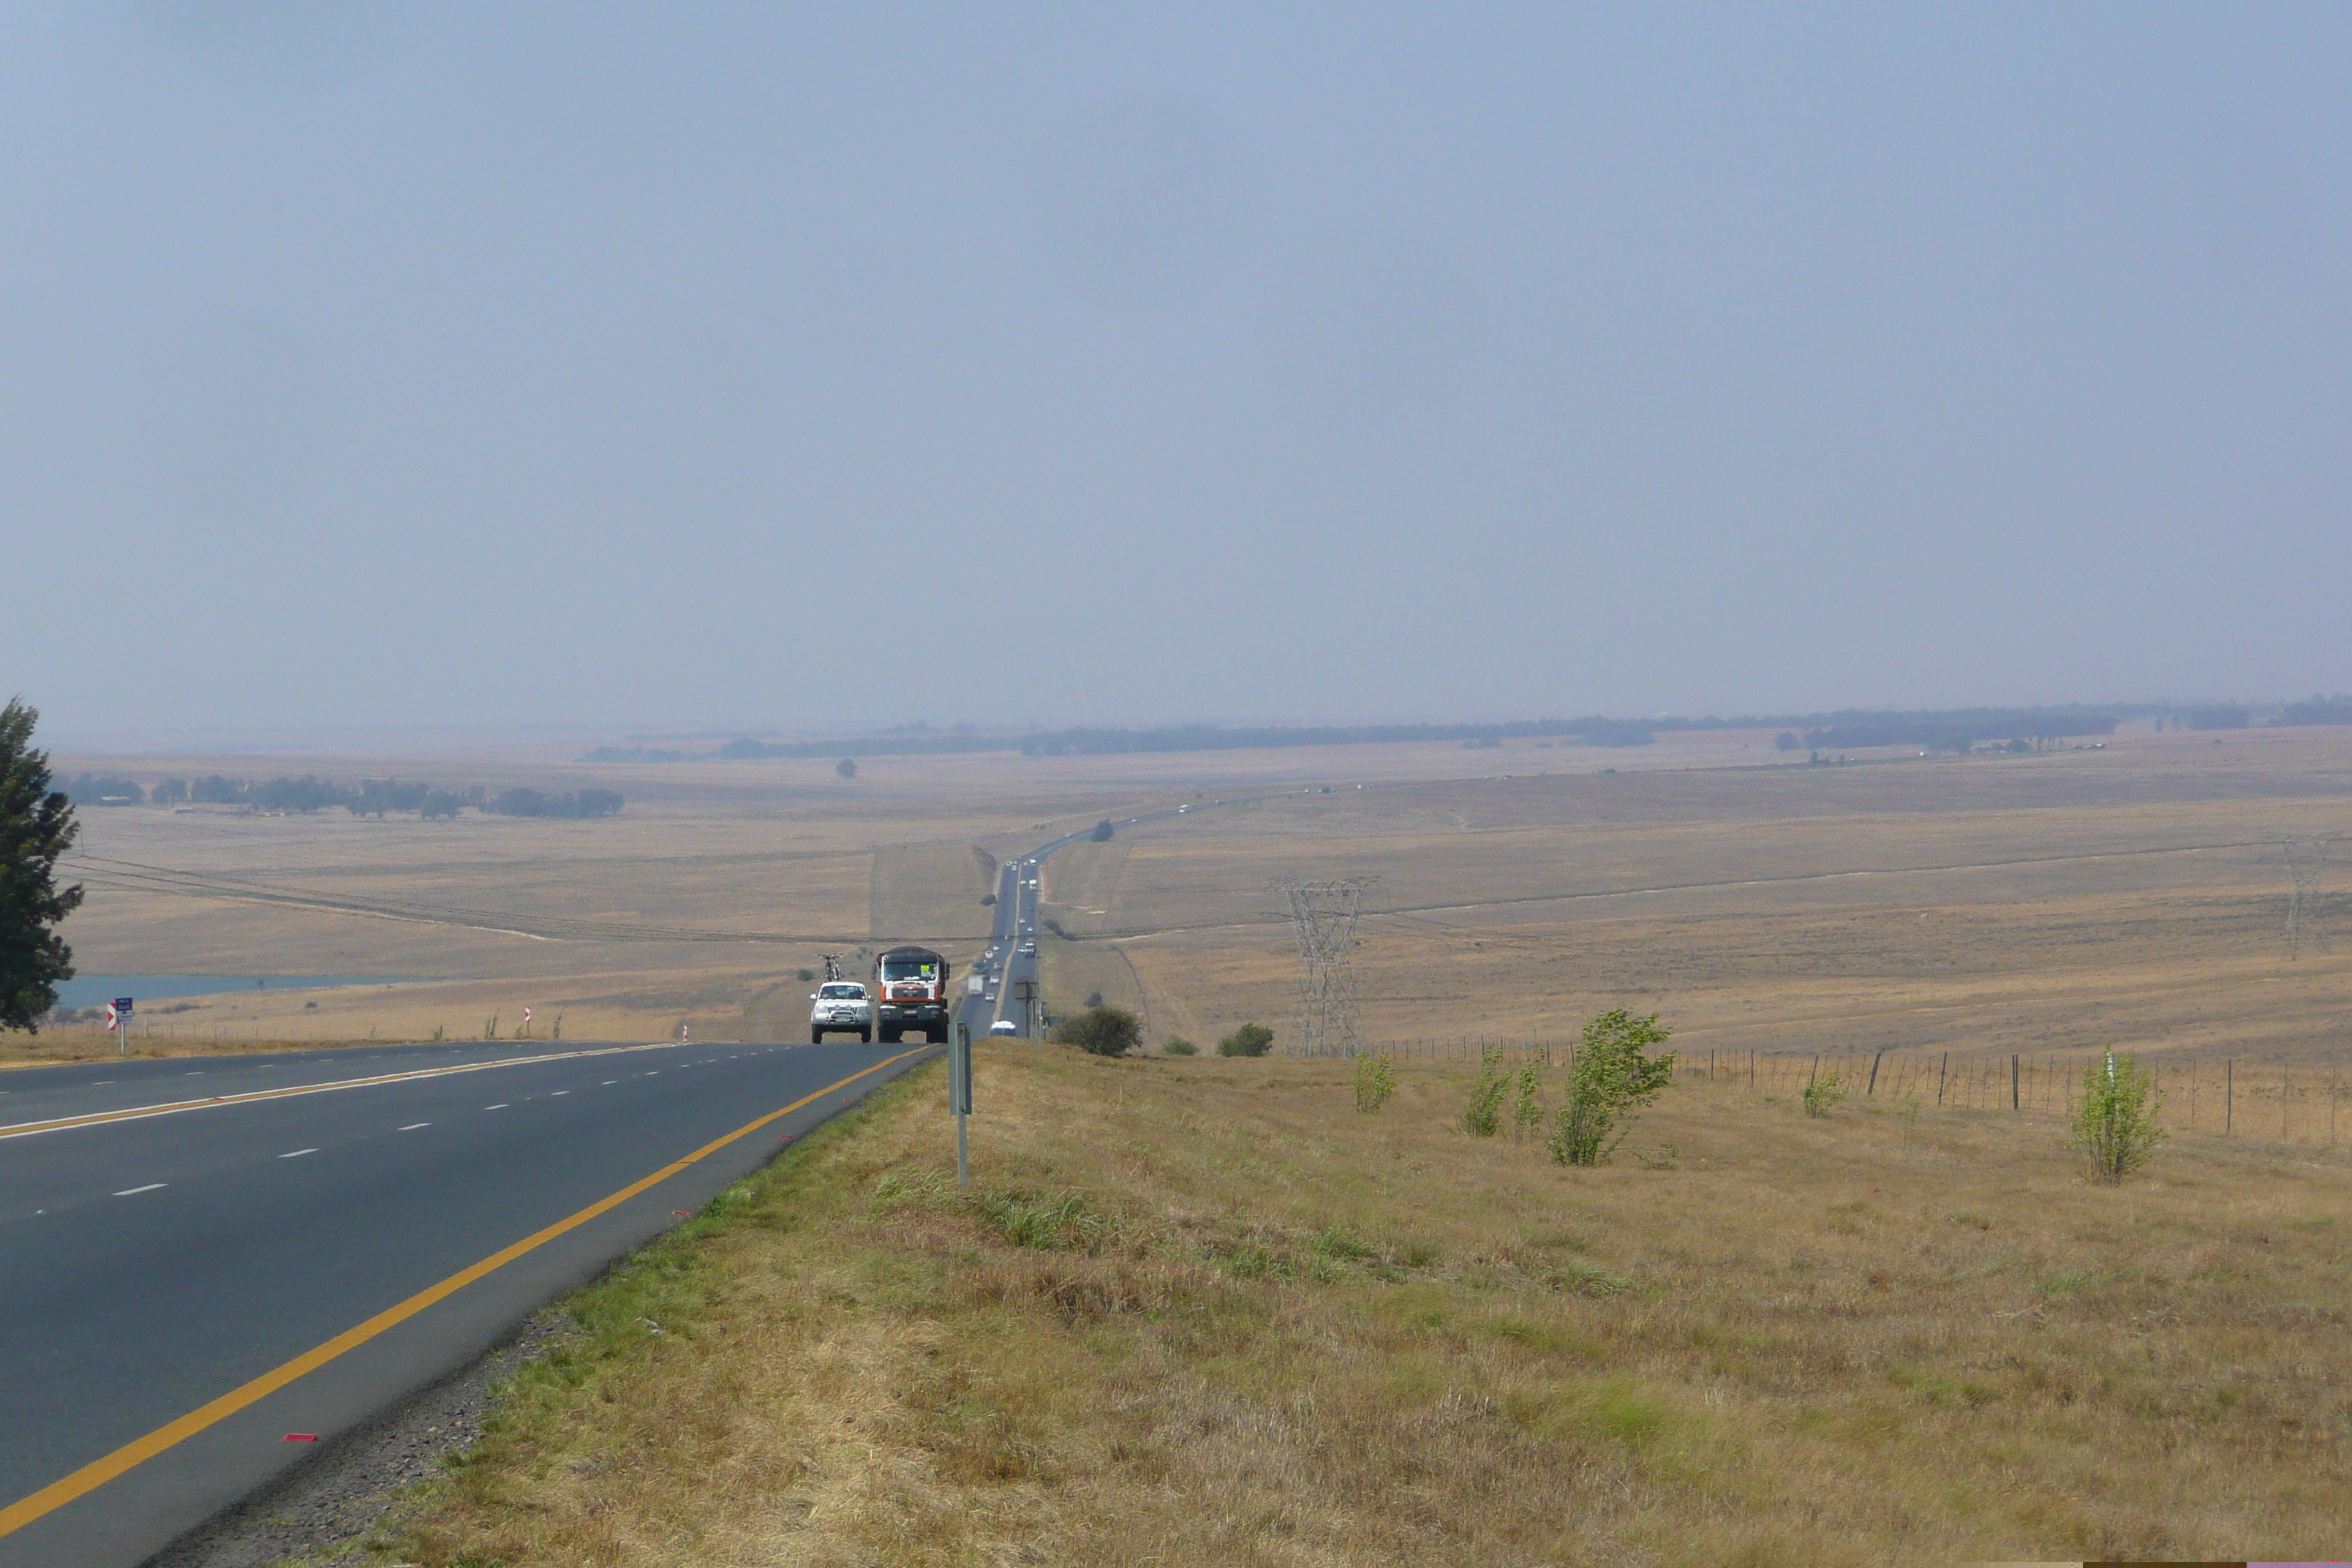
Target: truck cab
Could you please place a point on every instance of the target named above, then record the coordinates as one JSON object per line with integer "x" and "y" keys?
{"x": 910, "y": 992}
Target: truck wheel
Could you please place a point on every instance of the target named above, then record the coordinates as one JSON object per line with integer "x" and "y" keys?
{"x": 816, "y": 1037}
{"x": 889, "y": 1036}
{"x": 865, "y": 1037}
{"x": 934, "y": 1036}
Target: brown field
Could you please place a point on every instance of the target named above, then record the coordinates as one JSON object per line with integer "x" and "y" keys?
{"x": 1273, "y": 1331}
{"x": 1205, "y": 1313}
{"x": 1993, "y": 905}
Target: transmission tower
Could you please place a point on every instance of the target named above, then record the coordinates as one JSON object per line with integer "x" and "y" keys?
{"x": 1323, "y": 914}
{"x": 2306, "y": 862}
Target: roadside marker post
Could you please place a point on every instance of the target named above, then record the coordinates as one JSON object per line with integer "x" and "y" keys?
{"x": 118, "y": 1022}
{"x": 960, "y": 1097}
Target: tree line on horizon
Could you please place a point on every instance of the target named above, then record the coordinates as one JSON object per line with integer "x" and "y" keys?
{"x": 367, "y": 798}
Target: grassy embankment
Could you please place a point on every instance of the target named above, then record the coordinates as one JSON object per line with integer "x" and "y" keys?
{"x": 1205, "y": 1312}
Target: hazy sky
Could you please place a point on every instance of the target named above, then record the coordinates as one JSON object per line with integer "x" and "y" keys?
{"x": 697, "y": 366}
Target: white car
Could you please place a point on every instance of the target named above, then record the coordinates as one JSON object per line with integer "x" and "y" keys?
{"x": 840, "y": 1007}
{"x": 1004, "y": 1027}
{"x": 1028, "y": 949}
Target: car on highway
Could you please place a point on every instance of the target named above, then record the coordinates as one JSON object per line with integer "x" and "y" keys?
{"x": 1004, "y": 1027}
{"x": 840, "y": 1007}
{"x": 1028, "y": 949}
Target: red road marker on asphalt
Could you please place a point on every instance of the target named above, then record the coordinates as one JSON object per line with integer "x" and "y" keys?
{"x": 679, "y": 1213}
{"x": 302, "y": 1436}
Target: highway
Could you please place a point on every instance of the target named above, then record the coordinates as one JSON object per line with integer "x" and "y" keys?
{"x": 210, "y": 1267}
{"x": 169, "y": 1276}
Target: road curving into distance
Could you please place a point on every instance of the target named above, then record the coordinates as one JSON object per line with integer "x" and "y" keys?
{"x": 203, "y": 1261}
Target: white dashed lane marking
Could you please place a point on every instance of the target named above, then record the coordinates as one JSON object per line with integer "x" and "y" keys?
{"x": 499, "y": 1106}
{"x": 297, "y": 1153}
{"x": 134, "y": 1191}
{"x": 414, "y": 1126}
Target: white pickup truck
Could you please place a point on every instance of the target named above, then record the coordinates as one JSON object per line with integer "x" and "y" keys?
{"x": 840, "y": 1007}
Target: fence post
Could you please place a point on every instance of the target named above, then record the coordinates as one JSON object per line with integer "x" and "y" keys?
{"x": 1941, "y": 1068}
{"x": 2013, "y": 1102}
{"x": 2283, "y": 1099}
{"x": 2229, "y": 1093}
{"x": 1873, "y": 1090}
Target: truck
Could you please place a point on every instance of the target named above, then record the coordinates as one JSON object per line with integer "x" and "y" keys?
{"x": 840, "y": 1007}
{"x": 910, "y": 992}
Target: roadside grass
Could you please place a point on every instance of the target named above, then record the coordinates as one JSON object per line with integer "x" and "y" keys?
{"x": 1204, "y": 1313}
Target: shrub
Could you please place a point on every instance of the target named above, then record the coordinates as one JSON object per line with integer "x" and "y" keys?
{"x": 1100, "y": 1032}
{"x": 1823, "y": 1094}
{"x": 1094, "y": 998}
{"x": 1249, "y": 1040}
{"x": 1375, "y": 1082}
{"x": 1102, "y": 831}
{"x": 1527, "y": 1101}
{"x": 845, "y": 768}
{"x": 2115, "y": 1123}
{"x": 1610, "y": 1080}
{"x": 1178, "y": 1045}
{"x": 1483, "y": 1113}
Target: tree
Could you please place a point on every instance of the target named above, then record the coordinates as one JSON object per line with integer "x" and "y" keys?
{"x": 1786, "y": 740}
{"x": 1608, "y": 1081}
{"x": 2114, "y": 1122}
{"x": 1102, "y": 831}
{"x": 36, "y": 827}
{"x": 845, "y": 768}
{"x": 1101, "y": 1031}
{"x": 1249, "y": 1040}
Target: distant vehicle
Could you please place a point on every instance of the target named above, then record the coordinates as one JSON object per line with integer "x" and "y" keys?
{"x": 1182, "y": 809}
{"x": 1004, "y": 1027}
{"x": 840, "y": 1007}
{"x": 910, "y": 987}
{"x": 1028, "y": 949}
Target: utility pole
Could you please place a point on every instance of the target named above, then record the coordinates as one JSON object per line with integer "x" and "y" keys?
{"x": 1024, "y": 991}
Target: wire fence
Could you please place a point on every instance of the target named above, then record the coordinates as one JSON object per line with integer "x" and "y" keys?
{"x": 2298, "y": 1100}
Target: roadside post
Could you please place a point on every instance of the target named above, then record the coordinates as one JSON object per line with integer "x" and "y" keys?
{"x": 118, "y": 1022}
{"x": 960, "y": 1097}
{"x": 1024, "y": 991}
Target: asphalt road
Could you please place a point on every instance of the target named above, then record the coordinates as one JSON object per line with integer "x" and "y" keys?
{"x": 200, "y": 1258}
{"x": 151, "y": 1266}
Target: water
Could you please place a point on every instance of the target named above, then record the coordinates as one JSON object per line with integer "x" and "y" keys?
{"x": 97, "y": 990}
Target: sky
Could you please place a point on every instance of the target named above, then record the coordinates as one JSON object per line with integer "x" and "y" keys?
{"x": 712, "y": 367}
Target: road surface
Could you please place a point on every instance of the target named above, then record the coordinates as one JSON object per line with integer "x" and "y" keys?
{"x": 177, "y": 1267}
{"x": 206, "y": 1262}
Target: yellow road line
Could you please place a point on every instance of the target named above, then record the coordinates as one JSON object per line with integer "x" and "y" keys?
{"x": 169, "y": 1107}
{"x": 97, "y": 1472}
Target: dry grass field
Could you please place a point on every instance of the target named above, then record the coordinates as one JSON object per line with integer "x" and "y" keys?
{"x": 2029, "y": 904}
{"x": 1205, "y": 1312}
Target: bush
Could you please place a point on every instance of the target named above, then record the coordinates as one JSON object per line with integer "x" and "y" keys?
{"x": 1610, "y": 1080}
{"x": 1375, "y": 1082}
{"x": 1178, "y": 1045}
{"x": 1249, "y": 1040}
{"x": 2115, "y": 1124}
{"x": 1102, "y": 831}
{"x": 1100, "y": 1032}
{"x": 1823, "y": 1094}
{"x": 1483, "y": 1114}
{"x": 1094, "y": 998}
{"x": 845, "y": 768}
{"x": 1527, "y": 1101}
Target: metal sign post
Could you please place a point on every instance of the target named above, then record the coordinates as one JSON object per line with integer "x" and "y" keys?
{"x": 960, "y": 1097}
{"x": 1024, "y": 991}
{"x": 117, "y": 1017}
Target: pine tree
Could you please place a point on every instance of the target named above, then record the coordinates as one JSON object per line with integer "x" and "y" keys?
{"x": 36, "y": 827}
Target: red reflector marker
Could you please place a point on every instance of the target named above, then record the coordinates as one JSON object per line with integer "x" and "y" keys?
{"x": 302, "y": 1436}
{"x": 679, "y": 1213}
